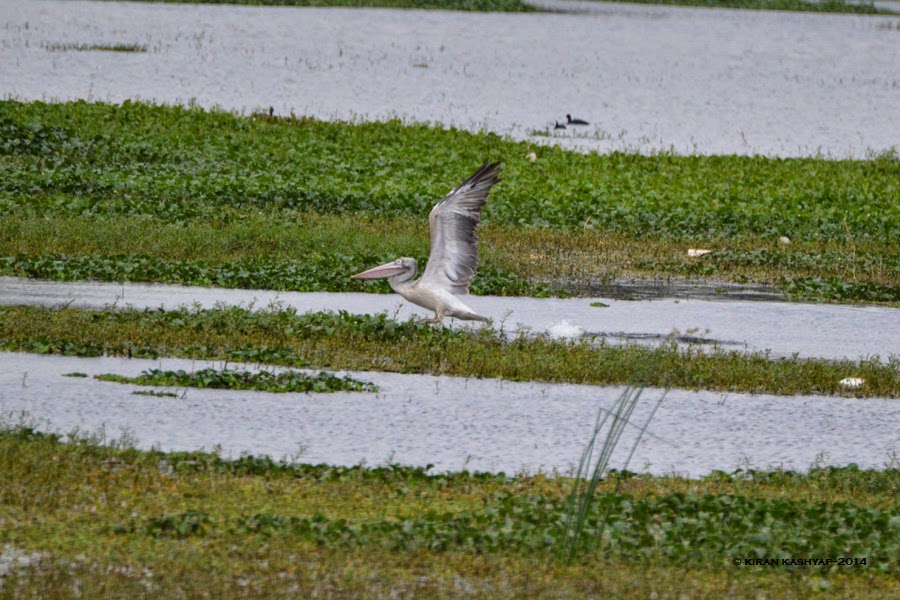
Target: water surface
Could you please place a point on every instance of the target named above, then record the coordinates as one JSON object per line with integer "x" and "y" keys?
{"x": 648, "y": 78}
{"x": 809, "y": 330}
{"x": 450, "y": 422}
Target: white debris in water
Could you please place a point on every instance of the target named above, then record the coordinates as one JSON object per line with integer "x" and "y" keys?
{"x": 852, "y": 382}
{"x": 785, "y": 240}
{"x": 531, "y": 156}
{"x": 565, "y": 329}
{"x": 695, "y": 252}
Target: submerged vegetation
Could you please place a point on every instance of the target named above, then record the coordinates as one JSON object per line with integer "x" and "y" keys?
{"x": 468, "y": 5}
{"x": 157, "y": 193}
{"x": 263, "y": 381}
{"x": 110, "y": 520}
{"x": 121, "y": 47}
{"x": 362, "y": 342}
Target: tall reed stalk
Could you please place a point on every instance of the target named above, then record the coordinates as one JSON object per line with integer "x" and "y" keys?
{"x": 584, "y": 488}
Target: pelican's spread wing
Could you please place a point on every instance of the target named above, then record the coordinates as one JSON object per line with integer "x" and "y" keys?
{"x": 453, "y": 220}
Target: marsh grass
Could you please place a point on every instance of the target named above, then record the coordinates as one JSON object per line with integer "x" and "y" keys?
{"x": 230, "y": 379}
{"x": 343, "y": 341}
{"x": 109, "y": 520}
{"x": 111, "y": 191}
{"x": 584, "y": 489}
{"x": 313, "y": 252}
{"x": 175, "y": 164}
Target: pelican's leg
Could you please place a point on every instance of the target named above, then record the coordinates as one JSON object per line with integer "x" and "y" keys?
{"x": 438, "y": 315}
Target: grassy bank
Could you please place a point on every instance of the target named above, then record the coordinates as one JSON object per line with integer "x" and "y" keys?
{"x": 355, "y": 342}
{"x": 89, "y": 190}
{"x": 313, "y": 252}
{"x": 112, "y": 521}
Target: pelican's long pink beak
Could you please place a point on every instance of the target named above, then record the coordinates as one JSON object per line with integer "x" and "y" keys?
{"x": 388, "y": 270}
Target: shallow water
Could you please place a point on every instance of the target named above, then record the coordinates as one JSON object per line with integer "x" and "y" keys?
{"x": 453, "y": 423}
{"x": 647, "y": 77}
{"x": 810, "y": 330}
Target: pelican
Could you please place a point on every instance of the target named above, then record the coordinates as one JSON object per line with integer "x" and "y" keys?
{"x": 571, "y": 121}
{"x": 454, "y": 251}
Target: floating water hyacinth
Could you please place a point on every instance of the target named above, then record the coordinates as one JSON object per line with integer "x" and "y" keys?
{"x": 287, "y": 381}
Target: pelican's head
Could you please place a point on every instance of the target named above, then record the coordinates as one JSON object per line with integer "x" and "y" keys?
{"x": 392, "y": 269}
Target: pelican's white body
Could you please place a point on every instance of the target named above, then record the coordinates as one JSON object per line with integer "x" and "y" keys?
{"x": 454, "y": 251}
{"x": 439, "y": 299}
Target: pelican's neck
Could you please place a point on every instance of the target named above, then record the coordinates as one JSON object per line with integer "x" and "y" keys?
{"x": 403, "y": 282}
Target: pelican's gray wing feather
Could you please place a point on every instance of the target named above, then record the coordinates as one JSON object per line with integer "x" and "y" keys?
{"x": 454, "y": 242}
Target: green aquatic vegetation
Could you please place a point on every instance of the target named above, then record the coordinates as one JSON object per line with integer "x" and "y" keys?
{"x": 124, "y": 519}
{"x": 379, "y": 343}
{"x": 850, "y": 263}
{"x": 263, "y": 381}
{"x": 865, "y": 7}
{"x": 840, "y": 291}
{"x": 312, "y": 252}
{"x": 847, "y": 261}
{"x": 179, "y": 164}
{"x": 154, "y": 193}
{"x": 154, "y": 393}
{"x": 316, "y": 273}
{"x": 640, "y": 529}
{"x": 75, "y": 374}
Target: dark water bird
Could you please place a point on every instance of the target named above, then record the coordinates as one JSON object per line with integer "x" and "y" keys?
{"x": 559, "y": 125}
{"x": 571, "y": 121}
{"x": 454, "y": 251}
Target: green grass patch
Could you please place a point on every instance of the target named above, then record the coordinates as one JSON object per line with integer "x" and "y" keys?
{"x": 323, "y": 273}
{"x": 362, "y": 342}
{"x": 841, "y": 291}
{"x": 263, "y": 381}
{"x": 177, "y": 164}
{"x": 110, "y": 519}
{"x": 155, "y": 193}
{"x": 312, "y": 252}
